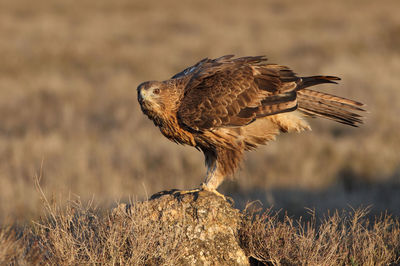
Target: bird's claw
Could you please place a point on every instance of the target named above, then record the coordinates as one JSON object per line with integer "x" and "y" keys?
{"x": 205, "y": 188}
{"x": 202, "y": 187}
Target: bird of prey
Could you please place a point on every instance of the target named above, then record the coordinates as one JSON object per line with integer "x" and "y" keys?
{"x": 226, "y": 106}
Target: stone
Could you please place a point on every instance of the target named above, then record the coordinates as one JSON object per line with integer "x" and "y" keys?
{"x": 208, "y": 226}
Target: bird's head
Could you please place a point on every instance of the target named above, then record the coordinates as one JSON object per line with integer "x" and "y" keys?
{"x": 149, "y": 96}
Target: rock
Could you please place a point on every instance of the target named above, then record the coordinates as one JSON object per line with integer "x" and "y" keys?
{"x": 206, "y": 223}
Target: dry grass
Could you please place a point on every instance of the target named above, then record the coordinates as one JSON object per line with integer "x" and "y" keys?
{"x": 11, "y": 247}
{"x": 340, "y": 239}
{"x": 80, "y": 235}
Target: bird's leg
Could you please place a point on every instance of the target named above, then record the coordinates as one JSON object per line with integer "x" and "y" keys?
{"x": 213, "y": 179}
{"x": 210, "y": 184}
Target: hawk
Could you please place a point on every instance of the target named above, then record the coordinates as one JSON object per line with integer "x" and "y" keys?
{"x": 226, "y": 106}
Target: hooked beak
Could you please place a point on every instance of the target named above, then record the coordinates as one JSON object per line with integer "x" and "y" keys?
{"x": 141, "y": 96}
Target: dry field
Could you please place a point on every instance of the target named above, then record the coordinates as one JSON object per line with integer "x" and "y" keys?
{"x": 78, "y": 234}
{"x": 68, "y": 77}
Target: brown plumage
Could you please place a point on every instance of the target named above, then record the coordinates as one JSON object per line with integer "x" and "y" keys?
{"x": 226, "y": 106}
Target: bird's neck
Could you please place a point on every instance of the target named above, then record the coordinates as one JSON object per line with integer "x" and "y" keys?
{"x": 171, "y": 129}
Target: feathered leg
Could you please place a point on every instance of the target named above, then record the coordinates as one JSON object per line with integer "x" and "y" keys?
{"x": 220, "y": 163}
{"x": 213, "y": 179}
{"x": 213, "y": 176}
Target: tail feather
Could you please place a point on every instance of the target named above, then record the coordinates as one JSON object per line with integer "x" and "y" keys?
{"x": 319, "y": 104}
{"x": 333, "y": 99}
{"x": 341, "y": 116}
{"x": 305, "y": 82}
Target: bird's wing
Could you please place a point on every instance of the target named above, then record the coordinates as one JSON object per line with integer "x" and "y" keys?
{"x": 227, "y": 92}
{"x": 202, "y": 65}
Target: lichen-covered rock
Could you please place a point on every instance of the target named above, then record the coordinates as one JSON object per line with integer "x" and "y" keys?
{"x": 205, "y": 224}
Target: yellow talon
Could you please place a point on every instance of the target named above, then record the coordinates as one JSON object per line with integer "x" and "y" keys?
{"x": 204, "y": 187}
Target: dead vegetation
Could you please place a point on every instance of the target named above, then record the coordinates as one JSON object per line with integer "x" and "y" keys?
{"x": 80, "y": 234}
{"x": 343, "y": 238}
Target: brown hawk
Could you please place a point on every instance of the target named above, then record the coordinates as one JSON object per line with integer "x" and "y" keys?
{"x": 226, "y": 106}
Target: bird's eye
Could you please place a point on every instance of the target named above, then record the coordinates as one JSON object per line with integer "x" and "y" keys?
{"x": 156, "y": 91}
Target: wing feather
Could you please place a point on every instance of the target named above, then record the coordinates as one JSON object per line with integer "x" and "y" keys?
{"x": 227, "y": 92}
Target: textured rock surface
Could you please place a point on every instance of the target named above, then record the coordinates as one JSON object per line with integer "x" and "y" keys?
{"x": 207, "y": 226}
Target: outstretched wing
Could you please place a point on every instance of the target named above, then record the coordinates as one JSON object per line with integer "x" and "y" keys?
{"x": 227, "y": 92}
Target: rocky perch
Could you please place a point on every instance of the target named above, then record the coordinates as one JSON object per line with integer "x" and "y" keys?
{"x": 199, "y": 228}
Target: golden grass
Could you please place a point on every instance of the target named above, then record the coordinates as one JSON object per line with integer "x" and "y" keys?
{"x": 81, "y": 234}
{"x": 346, "y": 238}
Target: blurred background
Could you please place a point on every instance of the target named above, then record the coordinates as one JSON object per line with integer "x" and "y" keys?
{"x": 68, "y": 77}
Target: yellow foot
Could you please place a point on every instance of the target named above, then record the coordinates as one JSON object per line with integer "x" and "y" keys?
{"x": 204, "y": 187}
